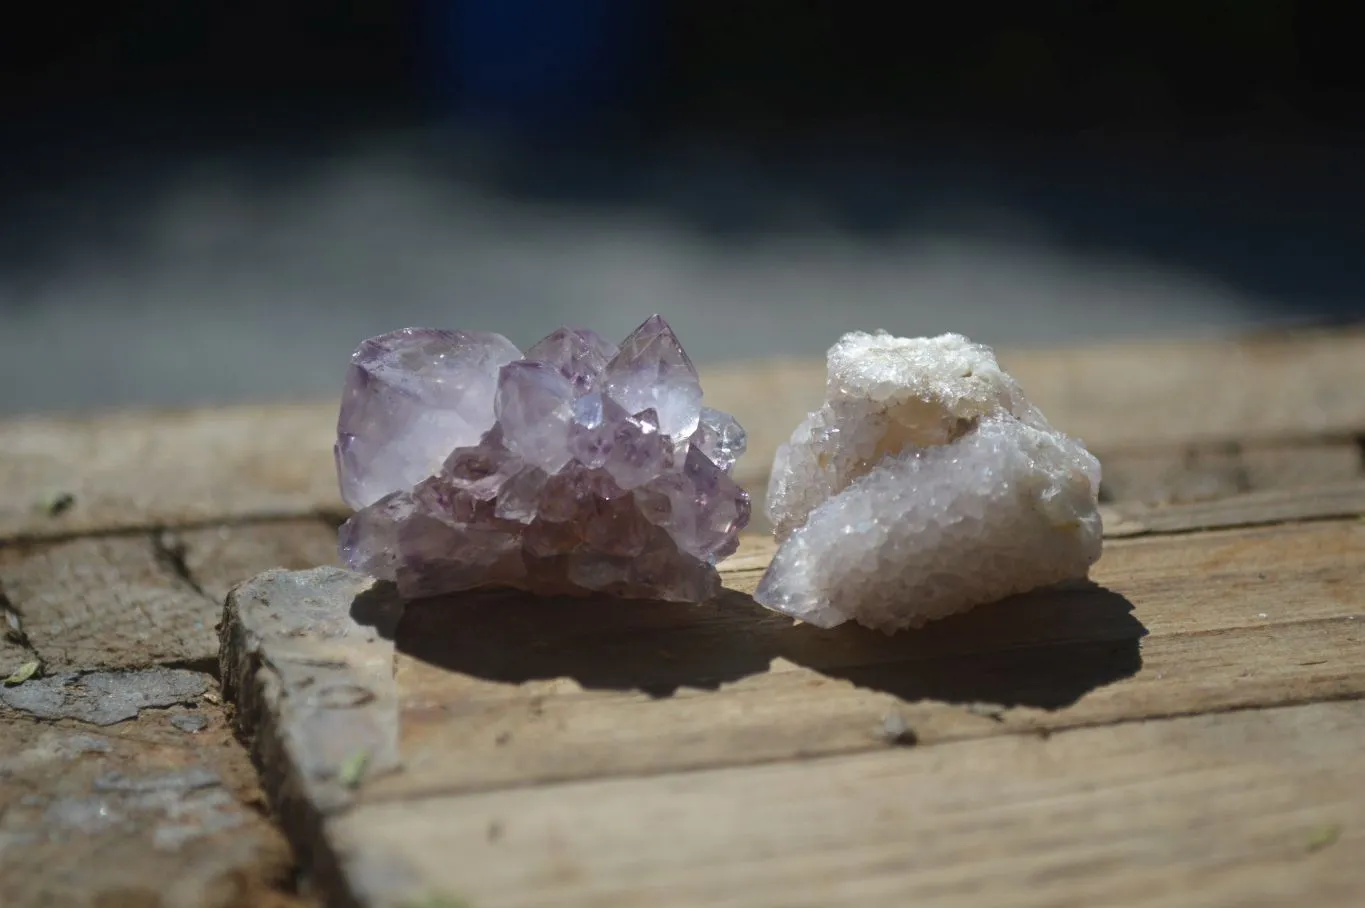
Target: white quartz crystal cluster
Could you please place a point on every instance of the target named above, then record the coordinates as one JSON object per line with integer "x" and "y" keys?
{"x": 927, "y": 484}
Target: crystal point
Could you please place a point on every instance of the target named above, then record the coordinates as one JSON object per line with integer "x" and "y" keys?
{"x": 653, "y": 372}
{"x": 578, "y": 468}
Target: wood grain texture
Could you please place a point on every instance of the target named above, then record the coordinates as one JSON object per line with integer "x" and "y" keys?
{"x": 501, "y": 690}
{"x": 1259, "y": 808}
{"x": 1193, "y": 474}
{"x": 143, "y": 813}
{"x": 508, "y": 705}
{"x": 157, "y": 470}
{"x": 114, "y": 602}
{"x": 1318, "y": 502}
{"x": 307, "y": 656}
{"x": 219, "y": 558}
{"x": 138, "y": 600}
{"x": 1147, "y": 395}
{"x": 149, "y": 470}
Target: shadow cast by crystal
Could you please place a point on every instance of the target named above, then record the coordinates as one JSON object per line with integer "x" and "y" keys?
{"x": 379, "y": 607}
{"x": 1045, "y": 649}
{"x": 600, "y": 642}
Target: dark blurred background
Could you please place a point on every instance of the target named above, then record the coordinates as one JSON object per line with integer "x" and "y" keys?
{"x": 209, "y": 201}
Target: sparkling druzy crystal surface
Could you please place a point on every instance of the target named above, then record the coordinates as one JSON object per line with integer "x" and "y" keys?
{"x": 927, "y": 484}
{"x": 577, "y": 468}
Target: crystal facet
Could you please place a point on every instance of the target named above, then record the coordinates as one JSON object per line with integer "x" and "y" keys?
{"x": 577, "y": 468}
{"x": 580, "y": 356}
{"x": 412, "y": 396}
{"x": 720, "y": 438}
{"x": 653, "y": 373}
{"x": 534, "y": 408}
{"x": 926, "y": 485}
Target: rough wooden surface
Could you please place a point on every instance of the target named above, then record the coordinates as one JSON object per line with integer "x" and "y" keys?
{"x": 111, "y": 602}
{"x": 131, "y": 600}
{"x": 498, "y": 692}
{"x": 127, "y": 787}
{"x": 1185, "y": 732}
{"x": 586, "y": 724}
{"x": 143, "y": 813}
{"x": 66, "y": 477}
{"x": 218, "y": 558}
{"x": 1311, "y": 502}
{"x": 147, "y": 471}
{"x": 1247, "y": 809}
{"x": 1201, "y": 473}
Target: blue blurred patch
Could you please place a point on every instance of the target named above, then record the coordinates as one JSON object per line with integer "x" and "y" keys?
{"x": 537, "y": 61}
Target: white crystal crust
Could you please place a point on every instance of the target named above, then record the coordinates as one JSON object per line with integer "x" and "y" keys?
{"x": 925, "y": 486}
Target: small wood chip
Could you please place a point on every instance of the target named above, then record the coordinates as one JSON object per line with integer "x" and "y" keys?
{"x": 23, "y": 673}
{"x": 1323, "y": 837}
{"x": 895, "y": 730}
{"x": 59, "y": 503}
{"x": 14, "y": 627}
{"x": 353, "y": 770}
{"x": 993, "y": 711}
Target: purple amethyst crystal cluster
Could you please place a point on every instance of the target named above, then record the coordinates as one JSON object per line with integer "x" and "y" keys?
{"x": 575, "y": 468}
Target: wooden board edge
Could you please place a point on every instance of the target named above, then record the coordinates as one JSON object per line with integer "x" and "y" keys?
{"x": 314, "y": 695}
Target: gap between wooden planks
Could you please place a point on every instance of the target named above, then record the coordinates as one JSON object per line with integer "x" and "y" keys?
{"x": 507, "y": 710}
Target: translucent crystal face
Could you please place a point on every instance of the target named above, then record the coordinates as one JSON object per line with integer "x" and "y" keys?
{"x": 580, "y": 356}
{"x": 579, "y": 467}
{"x": 653, "y": 373}
{"x": 534, "y": 407}
{"x": 411, "y": 396}
{"x": 927, "y": 484}
{"x": 720, "y": 438}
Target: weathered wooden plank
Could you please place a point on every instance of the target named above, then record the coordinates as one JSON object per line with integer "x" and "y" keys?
{"x": 143, "y": 470}
{"x": 502, "y": 690}
{"x": 1163, "y": 394}
{"x": 72, "y": 476}
{"x": 218, "y": 558}
{"x": 1258, "y": 808}
{"x": 308, "y": 658}
{"x": 137, "y": 600}
{"x": 114, "y": 602}
{"x": 499, "y": 689}
{"x": 1194, "y": 474}
{"x": 1317, "y": 502}
{"x": 163, "y": 809}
